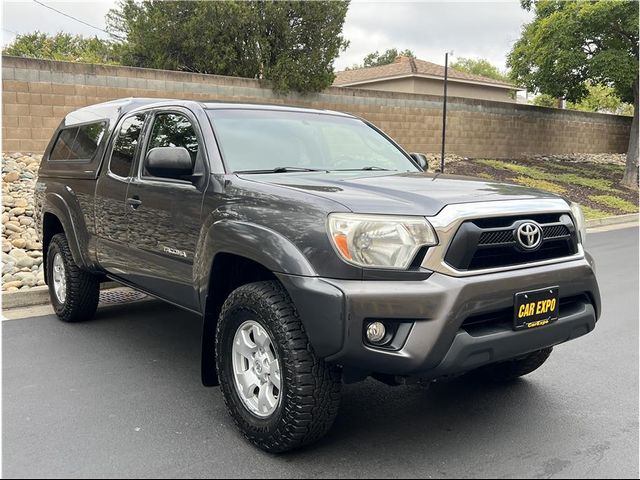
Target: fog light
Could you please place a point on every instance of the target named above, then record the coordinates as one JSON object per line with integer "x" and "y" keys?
{"x": 376, "y": 332}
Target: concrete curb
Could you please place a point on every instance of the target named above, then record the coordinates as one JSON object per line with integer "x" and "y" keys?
{"x": 26, "y": 298}
{"x": 631, "y": 219}
{"x": 34, "y": 296}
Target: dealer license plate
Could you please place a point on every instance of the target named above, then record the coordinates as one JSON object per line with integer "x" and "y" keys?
{"x": 536, "y": 308}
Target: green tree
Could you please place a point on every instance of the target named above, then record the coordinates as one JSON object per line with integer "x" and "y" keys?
{"x": 545, "y": 100}
{"x": 292, "y": 44}
{"x": 481, "y": 67}
{"x": 62, "y": 46}
{"x": 600, "y": 98}
{"x": 603, "y": 99}
{"x": 376, "y": 59}
{"x": 571, "y": 43}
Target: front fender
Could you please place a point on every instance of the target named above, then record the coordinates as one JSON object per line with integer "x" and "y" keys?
{"x": 260, "y": 244}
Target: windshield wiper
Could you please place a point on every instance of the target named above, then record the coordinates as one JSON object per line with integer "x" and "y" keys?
{"x": 283, "y": 170}
{"x": 363, "y": 168}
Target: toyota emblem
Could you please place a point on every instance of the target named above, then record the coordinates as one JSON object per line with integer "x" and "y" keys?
{"x": 529, "y": 235}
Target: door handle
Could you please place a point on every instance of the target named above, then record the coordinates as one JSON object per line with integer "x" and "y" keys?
{"x": 134, "y": 202}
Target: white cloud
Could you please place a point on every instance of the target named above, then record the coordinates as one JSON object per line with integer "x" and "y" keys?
{"x": 470, "y": 29}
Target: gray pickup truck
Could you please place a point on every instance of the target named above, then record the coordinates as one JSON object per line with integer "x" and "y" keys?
{"x": 316, "y": 250}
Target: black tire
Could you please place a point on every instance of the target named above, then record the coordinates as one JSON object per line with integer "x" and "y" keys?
{"x": 82, "y": 288}
{"x": 310, "y": 394}
{"x": 513, "y": 369}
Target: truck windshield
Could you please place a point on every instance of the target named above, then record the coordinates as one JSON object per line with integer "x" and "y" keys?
{"x": 259, "y": 141}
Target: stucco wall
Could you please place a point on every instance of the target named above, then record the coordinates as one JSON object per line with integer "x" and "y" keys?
{"x": 37, "y": 94}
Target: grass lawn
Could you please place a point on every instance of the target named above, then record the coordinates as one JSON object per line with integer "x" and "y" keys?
{"x": 594, "y": 186}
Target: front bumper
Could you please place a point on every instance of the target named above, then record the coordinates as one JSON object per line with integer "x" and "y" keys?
{"x": 335, "y": 311}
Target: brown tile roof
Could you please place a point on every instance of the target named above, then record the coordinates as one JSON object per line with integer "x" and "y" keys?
{"x": 404, "y": 67}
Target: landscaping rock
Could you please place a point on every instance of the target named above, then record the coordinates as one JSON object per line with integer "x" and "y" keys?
{"x": 37, "y": 246}
{"x": 25, "y": 262}
{"x": 11, "y": 177}
{"x": 17, "y": 211}
{"x": 27, "y": 278}
{"x": 21, "y": 247}
{"x": 17, "y": 253}
{"x": 13, "y": 226}
{"x": 19, "y": 243}
{"x": 434, "y": 160}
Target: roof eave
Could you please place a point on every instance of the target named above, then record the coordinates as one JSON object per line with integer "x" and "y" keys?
{"x": 433, "y": 77}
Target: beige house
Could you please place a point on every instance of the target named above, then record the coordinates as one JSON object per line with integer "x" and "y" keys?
{"x": 411, "y": 75}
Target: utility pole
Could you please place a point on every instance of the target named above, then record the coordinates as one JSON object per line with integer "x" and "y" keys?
{"x": 444, "y": 110}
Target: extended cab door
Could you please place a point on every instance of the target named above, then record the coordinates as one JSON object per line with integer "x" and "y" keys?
{"x": 112, "y": 247}
{"x": 164, "y": 213}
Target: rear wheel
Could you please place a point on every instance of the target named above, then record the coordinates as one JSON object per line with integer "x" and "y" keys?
{"x": 512, "y": 369}
{"x": 74, "y": 293}
{"x": 280, "y": 395}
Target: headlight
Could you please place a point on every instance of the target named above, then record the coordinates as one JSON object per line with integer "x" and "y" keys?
{"x": 581, "y": 225}
{"x": 379, "y": 241}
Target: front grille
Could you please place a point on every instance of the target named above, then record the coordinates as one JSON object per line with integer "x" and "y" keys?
{"x": 555, "y": 231}
{"x": 491, "y": 243}
{"x": 497, "y": 237}
{"x": 493, "y": 238}
{"x": 503, "y": 319}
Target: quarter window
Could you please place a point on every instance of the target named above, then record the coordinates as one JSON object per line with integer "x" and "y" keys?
{"x": 126, "y": 145}
{"x": 78, "y": 143}
{"x": 88, "y": 139}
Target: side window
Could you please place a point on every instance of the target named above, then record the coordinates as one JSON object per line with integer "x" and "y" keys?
{"x": 174, "y": 130}
{"x": 78, "y": 143}
{"x": 125, "y": 145}
{"x": 88, "y": 139}
{"x": 64, "y": 145}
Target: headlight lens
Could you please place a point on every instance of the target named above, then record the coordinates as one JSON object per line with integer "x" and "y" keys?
{"x": 379, "y": 241}
{"x": 581, "y": 224}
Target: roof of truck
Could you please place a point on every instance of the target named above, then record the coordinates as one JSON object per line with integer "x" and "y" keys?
{"x": 111, "y": 110}
{"x": 214, "y": 105}
{"x": 116, "y": 108}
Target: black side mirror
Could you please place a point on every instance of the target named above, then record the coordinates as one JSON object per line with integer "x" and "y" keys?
{"x": 421, "y": 160}
{"x": 169, "y": 162}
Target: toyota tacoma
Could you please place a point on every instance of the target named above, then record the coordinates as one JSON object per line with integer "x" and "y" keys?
{"x": 315, "y": 249}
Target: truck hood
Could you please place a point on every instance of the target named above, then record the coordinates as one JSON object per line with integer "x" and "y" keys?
{"x": 398, "y": 193}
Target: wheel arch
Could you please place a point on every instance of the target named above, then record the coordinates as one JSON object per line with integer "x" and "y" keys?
{"x": 57, "y": 218}
{"x": 262, "y": 245}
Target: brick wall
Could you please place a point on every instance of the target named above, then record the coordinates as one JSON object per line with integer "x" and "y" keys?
{"x": 37, "y": 94}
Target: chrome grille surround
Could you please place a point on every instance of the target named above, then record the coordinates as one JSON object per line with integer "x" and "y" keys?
{"x": 449, "y": 219}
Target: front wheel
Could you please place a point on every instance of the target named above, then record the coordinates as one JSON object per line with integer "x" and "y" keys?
{"x": 74, "y": 293}
{"x": 280, "y": 395}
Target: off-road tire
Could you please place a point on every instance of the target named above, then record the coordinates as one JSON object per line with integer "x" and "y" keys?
{"x": 310, "y": 393}
{"x": 513, "y": 369}
{"x": 83, "y": 288}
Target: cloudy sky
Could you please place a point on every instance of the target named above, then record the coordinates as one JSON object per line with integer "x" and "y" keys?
{"x": 429, "y": 28}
